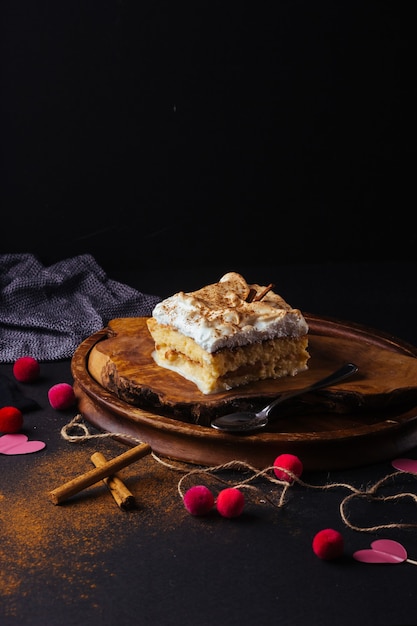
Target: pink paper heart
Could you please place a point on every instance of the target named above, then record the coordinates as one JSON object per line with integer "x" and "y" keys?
{"x": 19, "y": 444}
{"x": 382, "y": 551}
{"x": 405, "y": 465}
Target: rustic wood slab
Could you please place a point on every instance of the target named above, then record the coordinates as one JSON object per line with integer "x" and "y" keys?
{"x": 122, "y": 363}
{"x": 369, "y": 418}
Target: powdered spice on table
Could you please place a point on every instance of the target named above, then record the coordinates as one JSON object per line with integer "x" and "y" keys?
{"x": 67, "y": 543}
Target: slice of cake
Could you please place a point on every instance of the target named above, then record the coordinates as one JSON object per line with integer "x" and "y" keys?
{"x": 228, "y": 334}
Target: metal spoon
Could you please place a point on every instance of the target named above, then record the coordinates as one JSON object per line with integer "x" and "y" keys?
{"x": 245, "y": 422}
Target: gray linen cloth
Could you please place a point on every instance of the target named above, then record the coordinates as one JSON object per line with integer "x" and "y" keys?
{"x": 46, "y": 312}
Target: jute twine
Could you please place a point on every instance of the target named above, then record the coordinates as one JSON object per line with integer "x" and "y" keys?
{"x": 77, "y": 431}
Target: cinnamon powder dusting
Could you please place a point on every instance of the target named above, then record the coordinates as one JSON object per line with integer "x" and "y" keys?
{"x": 68, "y": 544}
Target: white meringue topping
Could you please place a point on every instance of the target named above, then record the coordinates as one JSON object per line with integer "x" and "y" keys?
{"x": 219, "y": 315}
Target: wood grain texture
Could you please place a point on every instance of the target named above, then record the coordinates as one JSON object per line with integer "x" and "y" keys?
{"x": 369, "y": 418}
{"x": 122, "y": 363}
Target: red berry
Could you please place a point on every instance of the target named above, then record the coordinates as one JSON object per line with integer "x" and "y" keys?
{"x": 11, "y": 419}
{"x": 26, "y": 369}
{"x": 328, "y": 544}
{"x": 61, "y": 396}
{"x": 198, "y": 500}
{"x": 290, "y": 462}
{"x": 230, "y": 502}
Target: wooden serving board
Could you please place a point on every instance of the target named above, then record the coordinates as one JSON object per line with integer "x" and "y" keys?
{"x": 363, "y": 419}
{"x": 123, "y": 364}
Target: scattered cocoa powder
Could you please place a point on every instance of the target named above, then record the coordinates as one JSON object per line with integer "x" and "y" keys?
{"x": 69, "y": 542}
{"x": 67, "y": 546}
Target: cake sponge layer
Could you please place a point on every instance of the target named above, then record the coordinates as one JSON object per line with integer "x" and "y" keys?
{"x": 227, "y": 368}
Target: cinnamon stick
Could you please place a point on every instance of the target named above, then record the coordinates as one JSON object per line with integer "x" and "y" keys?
{"x": 263, "y": 292}
{"x": 251, "y": 295}
{"x": 121, "y": 494}
{"x": 96, "y": 474}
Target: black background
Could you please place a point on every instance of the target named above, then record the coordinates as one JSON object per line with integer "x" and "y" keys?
{"x": 166, "y": 134}
{"x": 175, "y": 141}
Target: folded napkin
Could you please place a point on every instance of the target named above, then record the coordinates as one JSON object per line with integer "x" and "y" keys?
{"x": 46, "y": 312}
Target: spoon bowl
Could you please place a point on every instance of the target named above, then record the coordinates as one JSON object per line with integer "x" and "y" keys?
{"x": 248, "y": 422}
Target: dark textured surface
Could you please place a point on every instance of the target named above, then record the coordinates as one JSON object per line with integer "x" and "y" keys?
{"x": 88, "y": 562}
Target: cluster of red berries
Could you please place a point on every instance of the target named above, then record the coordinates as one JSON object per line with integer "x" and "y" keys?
{"x": 230, "y": 502}
{"x": 327, "y": 544}
{"x": 26, "y": 369}
{"x": 199, "y": 500}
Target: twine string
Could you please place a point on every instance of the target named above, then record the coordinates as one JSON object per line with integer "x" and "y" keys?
{"x": 71, "y": 432}
{"x": 77, "y": 431}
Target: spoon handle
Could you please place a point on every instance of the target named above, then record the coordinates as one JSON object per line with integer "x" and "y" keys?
{"x": 343, "y": 372}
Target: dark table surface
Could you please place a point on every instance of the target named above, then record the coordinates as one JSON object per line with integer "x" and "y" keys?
{"x": 86, "y": 561}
